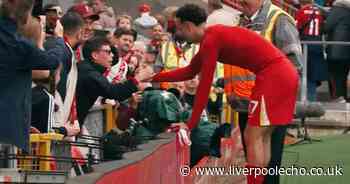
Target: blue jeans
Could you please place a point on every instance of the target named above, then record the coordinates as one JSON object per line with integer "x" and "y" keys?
{"x": 311, "y": 90}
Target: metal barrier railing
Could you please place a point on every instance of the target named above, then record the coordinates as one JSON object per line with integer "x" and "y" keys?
{"x": 305, "y": 45}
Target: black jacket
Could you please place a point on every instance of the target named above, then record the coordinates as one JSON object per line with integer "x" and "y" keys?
{"x": 40, "y": 108}
{"x": 337, "y": 28}
{"x": 18, "y": 57}
{"x": 66, "y": 63}
{"x": 92, "y": 84}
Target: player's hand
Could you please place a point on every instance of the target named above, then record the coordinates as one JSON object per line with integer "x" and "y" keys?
{"x": 182, "y": 133}
{"x": 144, "y": 74}
{"x": 149, "y": 79}
{"x": 174, "y": 127}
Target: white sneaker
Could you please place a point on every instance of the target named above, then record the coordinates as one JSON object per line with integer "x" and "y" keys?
{"x": 339, "y": 100}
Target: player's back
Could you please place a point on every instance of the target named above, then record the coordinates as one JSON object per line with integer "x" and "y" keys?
{"x": 242, "y": 47}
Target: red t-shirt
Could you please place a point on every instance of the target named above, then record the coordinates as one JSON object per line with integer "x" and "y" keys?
{"x": 229, "y": 45}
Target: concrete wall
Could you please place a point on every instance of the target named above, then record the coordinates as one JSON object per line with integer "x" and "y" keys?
{"x": 159, "y": 162}
{"x": 156, "y": 162}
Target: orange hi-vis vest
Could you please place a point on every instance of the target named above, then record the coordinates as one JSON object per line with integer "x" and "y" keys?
{"x": 238, "y": 81}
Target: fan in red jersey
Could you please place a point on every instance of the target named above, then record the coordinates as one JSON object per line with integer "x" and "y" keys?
{"x": 309, "y": 19}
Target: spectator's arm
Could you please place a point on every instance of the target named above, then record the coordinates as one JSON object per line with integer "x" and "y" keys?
{"x": 100, "y": 85}
{"x": 41, "y": 60}
{"x": 40, "y": 74}
{"x": 286, "y": 38}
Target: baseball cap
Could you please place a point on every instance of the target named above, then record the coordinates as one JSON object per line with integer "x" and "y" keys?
{"x": 144, "y": 8}
{"x": 85, "y": 11}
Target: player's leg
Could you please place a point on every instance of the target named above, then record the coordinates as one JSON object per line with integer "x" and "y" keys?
{"x": 258, "y": 142}
{"x": 277, "y": 144}
{"x": 267, "y": 145}
{"x": 242, "y": 120}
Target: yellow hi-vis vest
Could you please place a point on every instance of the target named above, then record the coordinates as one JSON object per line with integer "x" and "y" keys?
{"x": 273, "y": 14}
{"x": 172, "y": 60}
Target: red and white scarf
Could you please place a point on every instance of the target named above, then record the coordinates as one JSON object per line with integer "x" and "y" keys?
{"x": 118, "y": 72}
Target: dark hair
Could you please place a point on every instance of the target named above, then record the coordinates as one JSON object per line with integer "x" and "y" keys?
{"x": 215, "y": 4}
{"x": 192, "y": 13}
{"x": 92, "y": 45}
{"x": 101, "y": 33}
{"x": 72, "y": 22}
{"x": 122, "y": 31}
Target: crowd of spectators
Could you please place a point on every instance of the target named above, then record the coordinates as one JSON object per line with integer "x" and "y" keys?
{"x": 64, "y": 63}
{"x": 55, "y": 65}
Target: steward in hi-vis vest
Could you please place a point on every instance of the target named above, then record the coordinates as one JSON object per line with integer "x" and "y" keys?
{"x": 173, "y": 55}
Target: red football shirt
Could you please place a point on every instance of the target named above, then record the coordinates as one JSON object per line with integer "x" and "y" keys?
{"x": 309, "y": 20}
{"x": 229, "y": 45}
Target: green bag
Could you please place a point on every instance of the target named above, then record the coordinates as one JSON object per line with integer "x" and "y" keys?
{"x": 161, "y": 108}
{"x": 143, "y": 134}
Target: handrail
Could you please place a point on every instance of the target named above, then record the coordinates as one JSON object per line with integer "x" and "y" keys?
{"x": 325, "y": 43}
{"x": 305, "y": 45}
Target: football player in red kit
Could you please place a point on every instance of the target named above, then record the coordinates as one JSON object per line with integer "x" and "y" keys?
{"x": 274, "y": 96}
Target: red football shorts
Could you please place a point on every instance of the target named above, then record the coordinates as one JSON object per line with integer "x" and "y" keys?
{"x": 274, "y": 95}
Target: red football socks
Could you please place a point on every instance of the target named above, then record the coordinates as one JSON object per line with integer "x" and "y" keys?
{"x": 254, "y": 177}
